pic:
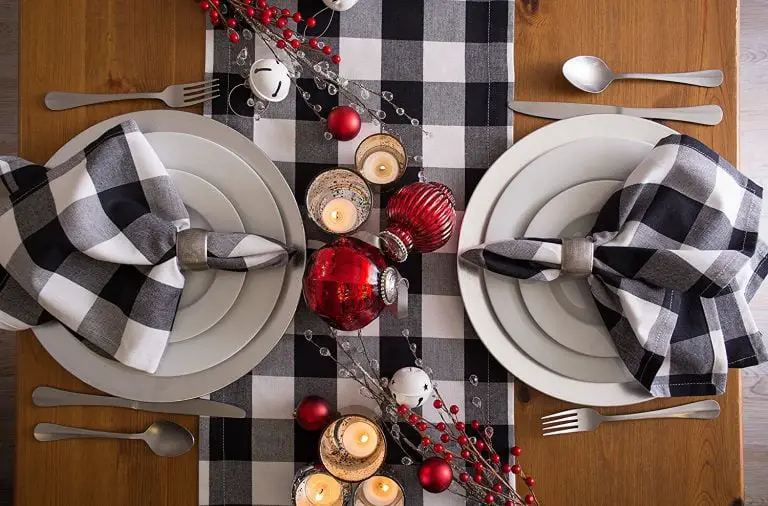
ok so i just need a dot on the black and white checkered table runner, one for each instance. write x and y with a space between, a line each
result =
448 63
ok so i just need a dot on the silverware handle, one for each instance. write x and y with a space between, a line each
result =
701 114
704 410
55 432
706 78
45 397
60 100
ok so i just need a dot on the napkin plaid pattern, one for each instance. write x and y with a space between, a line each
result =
448 63
92 243
676 259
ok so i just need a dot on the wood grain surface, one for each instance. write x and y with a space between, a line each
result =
144 53
658 462
106 46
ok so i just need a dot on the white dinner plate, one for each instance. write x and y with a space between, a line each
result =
207 295
535 185
506 351
565 308
114 378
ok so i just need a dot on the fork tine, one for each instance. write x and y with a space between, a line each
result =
569 418
197 94
189 86
562 413
204 99
566 425
566 431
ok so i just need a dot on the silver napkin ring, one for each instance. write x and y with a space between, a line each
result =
578 257
192 249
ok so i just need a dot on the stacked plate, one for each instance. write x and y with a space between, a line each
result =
227 321
553 183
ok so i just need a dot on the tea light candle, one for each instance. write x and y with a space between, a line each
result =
380 167
381 491
321 490
339 216
360 439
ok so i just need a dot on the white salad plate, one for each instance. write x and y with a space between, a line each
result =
565 308
112 377
505 342
207 295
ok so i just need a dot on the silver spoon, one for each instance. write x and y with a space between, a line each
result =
167 439
591 74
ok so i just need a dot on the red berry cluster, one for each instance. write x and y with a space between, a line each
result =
270 16
487 469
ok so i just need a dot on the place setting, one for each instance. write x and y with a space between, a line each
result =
345 264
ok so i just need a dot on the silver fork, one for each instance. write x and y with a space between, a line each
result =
586 419
177 95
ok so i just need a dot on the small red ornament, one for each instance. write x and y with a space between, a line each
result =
204 5
439 448
464 477
459 425
344 122
489 498
454 409
474 424
448 456
495 459
516 469
480 445
478 478
285 12
250 12
282 22
421 216
327 50
336 59
231 22
465 454
313 413
297 17
311 22
313 43
261 4
435 475
422 426
463 440
441 426
402 409
438 404
234 37
344 282
280 44
425 441
516 451
478 466
445 438
295 43
509 503
498 487
506 469
529 499
287 33
530 481
216 2
413 419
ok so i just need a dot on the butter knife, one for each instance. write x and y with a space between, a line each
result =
702 114
53 397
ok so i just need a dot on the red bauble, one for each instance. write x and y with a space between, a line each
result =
344 122
313 413
435 475
421 216
348 283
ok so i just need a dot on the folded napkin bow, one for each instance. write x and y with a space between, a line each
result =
93 243
672 261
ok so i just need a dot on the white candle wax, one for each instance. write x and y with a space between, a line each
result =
360 439
380 167
380 491
320 490
339 216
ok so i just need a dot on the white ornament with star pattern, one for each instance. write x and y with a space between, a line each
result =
411 386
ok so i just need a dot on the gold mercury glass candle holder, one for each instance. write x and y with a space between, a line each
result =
338 201
380 490
353 448
313 486
381 160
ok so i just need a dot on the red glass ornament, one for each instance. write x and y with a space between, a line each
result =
478 478
336 59
344 122
441 426
422 426
282 22
295 43
311 22
327 50
463 440
480 445
495 459
250 12
489 498
438 404
529 499
234 37
280 44
464 477
448 456
402 409
435 475
478 466
413 419
465 454
459 425
474 424
425 441
454 409
297 17
516 469
231 22
287 33
445 438
420 216
285 12
313 43
439 448
313 413
262 4
530 481
498 487
348 284
509 503
516 451
204 5
506 469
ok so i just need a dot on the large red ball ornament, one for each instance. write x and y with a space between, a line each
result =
435 475
348 283
313 413
344 123
420 216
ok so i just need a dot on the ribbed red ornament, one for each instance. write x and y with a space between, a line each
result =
348 283
421 216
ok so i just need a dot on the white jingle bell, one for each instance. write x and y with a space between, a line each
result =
339 5
268 80
411 386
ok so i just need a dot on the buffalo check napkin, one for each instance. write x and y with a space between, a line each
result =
672 262
99 243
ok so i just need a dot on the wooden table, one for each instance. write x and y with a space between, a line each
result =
125 45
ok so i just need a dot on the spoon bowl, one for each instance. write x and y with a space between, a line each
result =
168 439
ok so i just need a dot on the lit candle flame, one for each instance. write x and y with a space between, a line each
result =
364 438
336 215
382 168
319 495
384 487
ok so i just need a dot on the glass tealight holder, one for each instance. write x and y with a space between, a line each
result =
381 160
353 448
313 486
338 201
381 489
